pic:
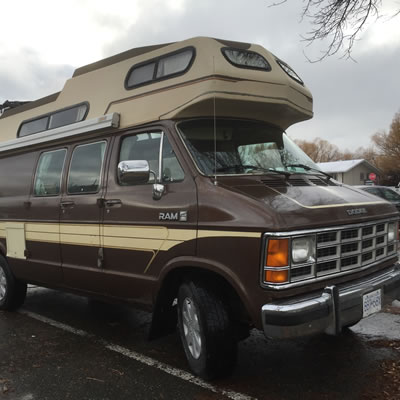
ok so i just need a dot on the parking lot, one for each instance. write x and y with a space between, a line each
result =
60 346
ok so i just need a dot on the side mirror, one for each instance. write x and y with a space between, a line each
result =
133 172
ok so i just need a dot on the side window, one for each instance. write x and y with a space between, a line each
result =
48 173
374 191
390 195
85 170
146 146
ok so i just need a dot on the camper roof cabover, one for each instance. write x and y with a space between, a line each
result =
172 81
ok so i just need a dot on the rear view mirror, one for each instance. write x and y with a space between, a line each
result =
133 172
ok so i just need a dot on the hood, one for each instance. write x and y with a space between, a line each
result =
307 201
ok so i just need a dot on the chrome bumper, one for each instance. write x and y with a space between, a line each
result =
330 310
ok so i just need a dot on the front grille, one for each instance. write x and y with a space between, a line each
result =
343 250
352 247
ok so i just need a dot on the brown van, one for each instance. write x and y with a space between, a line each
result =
163 177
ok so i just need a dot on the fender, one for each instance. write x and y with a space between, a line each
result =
211 266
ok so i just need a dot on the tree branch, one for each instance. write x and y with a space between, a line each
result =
338 21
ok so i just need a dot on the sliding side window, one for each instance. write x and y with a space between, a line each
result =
48 173
86 167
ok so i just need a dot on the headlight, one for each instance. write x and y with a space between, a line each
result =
303 249
392 231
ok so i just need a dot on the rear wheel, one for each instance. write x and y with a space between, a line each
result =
12 291
206 330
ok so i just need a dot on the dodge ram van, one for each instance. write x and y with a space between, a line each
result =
163 177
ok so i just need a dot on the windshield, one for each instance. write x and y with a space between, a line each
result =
242 147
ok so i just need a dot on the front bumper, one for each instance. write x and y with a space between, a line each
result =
330 310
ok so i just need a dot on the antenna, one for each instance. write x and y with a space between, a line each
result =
215 133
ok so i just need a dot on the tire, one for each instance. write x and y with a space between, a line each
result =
206 330
12 291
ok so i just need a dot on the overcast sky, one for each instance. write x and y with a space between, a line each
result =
43 41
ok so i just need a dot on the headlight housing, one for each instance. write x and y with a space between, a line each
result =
293 258
392 234
303 249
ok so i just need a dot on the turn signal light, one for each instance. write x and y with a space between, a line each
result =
276 276
277 253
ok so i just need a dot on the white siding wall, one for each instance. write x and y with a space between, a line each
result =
352 177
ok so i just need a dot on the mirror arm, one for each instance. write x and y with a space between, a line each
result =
158 187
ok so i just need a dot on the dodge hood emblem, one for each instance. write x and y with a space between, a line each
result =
357 211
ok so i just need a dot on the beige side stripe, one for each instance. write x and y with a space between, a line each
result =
146 238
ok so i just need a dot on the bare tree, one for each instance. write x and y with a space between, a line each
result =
320 150
389 145
338 21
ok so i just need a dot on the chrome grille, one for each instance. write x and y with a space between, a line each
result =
356 247
342 250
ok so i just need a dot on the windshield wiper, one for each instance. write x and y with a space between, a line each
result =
307 168
277 171
241 167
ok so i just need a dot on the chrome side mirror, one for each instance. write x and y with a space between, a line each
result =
136 172
133 172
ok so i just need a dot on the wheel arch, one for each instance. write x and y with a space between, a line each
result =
174 273
3 250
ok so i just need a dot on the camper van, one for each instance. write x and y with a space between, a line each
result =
162 177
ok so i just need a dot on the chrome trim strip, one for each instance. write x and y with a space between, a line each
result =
284 286
332 228
71 130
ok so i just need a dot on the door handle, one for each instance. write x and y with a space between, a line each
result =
67 204
112 202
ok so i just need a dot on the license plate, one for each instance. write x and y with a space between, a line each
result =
372 302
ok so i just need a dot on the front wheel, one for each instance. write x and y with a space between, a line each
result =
12 291
206 330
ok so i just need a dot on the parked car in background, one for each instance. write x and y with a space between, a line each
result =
383 192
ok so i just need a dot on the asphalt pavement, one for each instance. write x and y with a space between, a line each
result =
60 346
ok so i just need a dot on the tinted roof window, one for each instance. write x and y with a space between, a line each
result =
163 67
246 59
174 64
38 125
67 117
141 74
54 120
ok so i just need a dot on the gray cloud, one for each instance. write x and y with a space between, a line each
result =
25 76
352 100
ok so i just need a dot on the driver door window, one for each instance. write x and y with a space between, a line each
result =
146 146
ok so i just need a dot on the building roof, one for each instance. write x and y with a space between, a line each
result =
345 166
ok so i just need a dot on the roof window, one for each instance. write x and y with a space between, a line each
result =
164 67
289 71
54 120
245 59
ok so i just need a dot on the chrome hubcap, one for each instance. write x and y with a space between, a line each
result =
3 283
191 328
